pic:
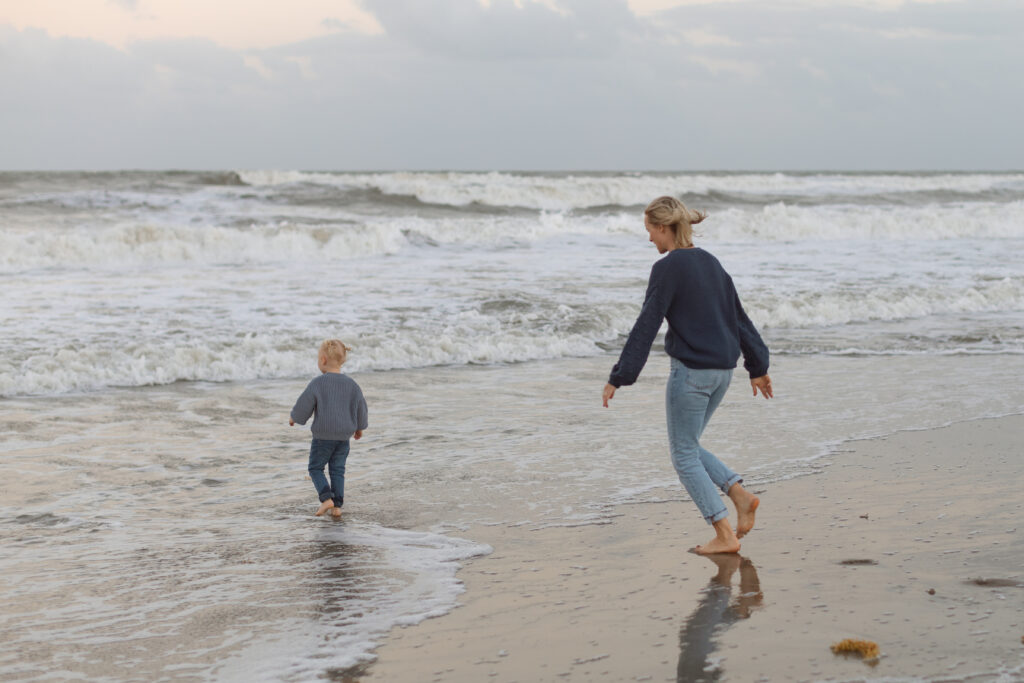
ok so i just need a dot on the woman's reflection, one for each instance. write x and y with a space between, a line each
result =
717 610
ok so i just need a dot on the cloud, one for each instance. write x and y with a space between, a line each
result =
305 64
257 65
361 22
814 70
702 37
913 33
240 24
719 66
588 85
506 29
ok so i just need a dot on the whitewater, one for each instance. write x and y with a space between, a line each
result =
135 279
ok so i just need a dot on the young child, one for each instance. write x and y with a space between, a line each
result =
340 413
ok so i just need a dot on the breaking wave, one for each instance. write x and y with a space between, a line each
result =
492 331
562 192
138 244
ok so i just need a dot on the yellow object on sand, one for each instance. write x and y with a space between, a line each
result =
865 648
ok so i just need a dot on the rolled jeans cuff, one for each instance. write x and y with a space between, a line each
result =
718 516
736 479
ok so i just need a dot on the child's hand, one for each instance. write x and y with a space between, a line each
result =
358 435
291 422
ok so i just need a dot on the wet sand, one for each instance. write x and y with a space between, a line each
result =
913 541
128 556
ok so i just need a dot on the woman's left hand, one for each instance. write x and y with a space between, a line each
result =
764 383
609 391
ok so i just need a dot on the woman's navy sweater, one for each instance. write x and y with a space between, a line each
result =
707 326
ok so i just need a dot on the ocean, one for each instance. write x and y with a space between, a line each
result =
155 517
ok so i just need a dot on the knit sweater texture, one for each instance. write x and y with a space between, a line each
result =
707 326
337 404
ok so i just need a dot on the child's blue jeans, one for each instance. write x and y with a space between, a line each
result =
333 454
690 399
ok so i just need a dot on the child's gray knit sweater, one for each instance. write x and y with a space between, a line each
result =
338 404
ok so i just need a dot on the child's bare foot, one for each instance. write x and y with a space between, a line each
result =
336 511
324 507
746 505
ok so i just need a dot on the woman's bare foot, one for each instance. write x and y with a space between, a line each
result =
336 511
716 545
746 505
324 507
725 540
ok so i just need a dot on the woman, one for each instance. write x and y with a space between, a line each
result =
707 332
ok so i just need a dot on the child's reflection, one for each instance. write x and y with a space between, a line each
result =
717 610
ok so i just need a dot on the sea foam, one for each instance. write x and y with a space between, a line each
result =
132 244
531 330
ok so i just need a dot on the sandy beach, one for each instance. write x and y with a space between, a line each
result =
912 541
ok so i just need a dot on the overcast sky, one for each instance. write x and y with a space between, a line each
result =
504 84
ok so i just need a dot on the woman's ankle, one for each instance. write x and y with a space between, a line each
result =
724 530
737 493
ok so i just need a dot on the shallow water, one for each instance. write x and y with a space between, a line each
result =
167 531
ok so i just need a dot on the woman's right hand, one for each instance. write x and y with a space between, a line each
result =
764 383
609 391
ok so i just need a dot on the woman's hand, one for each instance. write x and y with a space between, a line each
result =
609 391
764 383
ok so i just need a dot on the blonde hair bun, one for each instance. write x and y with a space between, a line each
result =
672 213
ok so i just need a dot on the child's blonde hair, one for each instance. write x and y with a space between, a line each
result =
335 351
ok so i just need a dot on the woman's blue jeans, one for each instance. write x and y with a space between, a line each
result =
333 454
690 400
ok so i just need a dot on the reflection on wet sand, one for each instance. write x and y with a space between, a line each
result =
340 578
716 611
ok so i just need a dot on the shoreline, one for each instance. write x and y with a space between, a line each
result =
901 515
482 459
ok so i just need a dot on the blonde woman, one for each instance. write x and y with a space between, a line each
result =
707 332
